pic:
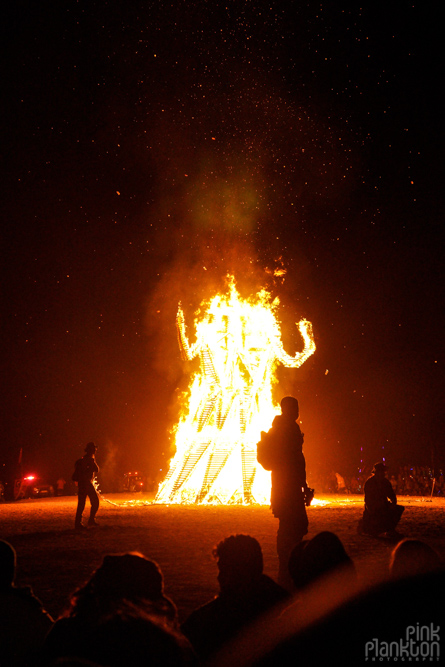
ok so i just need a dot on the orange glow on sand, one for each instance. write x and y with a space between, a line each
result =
238 342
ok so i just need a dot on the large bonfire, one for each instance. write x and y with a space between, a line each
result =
238 342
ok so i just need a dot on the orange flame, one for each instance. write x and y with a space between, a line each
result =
238 342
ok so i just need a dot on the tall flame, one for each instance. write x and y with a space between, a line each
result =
238 342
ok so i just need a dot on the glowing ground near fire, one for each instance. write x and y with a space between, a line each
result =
238 343
54 559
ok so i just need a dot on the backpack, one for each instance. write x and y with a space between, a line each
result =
266 450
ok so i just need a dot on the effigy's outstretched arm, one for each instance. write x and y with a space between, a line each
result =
305 328
188 352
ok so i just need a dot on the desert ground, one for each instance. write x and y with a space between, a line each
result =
54 559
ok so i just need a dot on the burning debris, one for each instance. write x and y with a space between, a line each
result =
238 342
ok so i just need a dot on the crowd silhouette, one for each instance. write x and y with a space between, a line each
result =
122 617
406 480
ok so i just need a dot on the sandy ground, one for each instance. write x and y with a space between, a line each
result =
54 559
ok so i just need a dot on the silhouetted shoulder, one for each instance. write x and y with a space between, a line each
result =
62 639
24 624
207 627
270 592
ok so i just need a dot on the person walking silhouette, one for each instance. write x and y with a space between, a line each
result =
85 471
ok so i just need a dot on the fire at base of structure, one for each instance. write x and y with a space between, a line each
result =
238 342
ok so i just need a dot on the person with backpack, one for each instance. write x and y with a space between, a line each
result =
281 451
84 473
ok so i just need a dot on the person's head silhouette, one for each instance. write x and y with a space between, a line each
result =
91 448
240 562
411 557
317 557
380 469
129 577
290 408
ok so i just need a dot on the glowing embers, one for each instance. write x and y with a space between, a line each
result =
238 342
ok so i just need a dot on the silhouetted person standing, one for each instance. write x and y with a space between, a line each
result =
85 470
281 451
381 514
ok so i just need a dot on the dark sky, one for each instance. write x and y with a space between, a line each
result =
152 148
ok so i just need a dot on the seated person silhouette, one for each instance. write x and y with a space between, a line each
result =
134 636
319 557
245 593
381 514
319 567
125 587
23 621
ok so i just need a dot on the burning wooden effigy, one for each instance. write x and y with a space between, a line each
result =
238 343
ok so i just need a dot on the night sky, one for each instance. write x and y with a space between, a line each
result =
151 149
